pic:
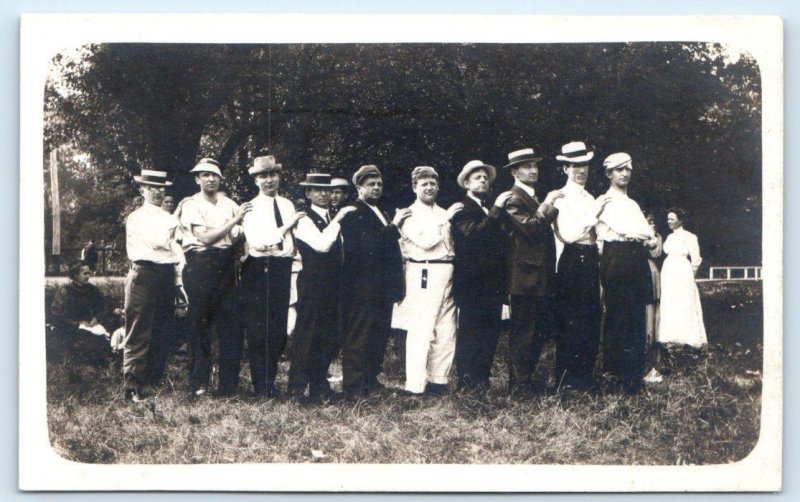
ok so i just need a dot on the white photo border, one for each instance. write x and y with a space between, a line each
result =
43 36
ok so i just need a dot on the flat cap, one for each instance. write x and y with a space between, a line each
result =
365 172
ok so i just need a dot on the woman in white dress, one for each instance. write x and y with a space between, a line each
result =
681 317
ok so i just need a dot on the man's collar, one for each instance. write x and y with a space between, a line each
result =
475 198
573 187
319 210
617 193
525 188
151 207
419 204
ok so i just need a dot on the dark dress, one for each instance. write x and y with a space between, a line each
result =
75 303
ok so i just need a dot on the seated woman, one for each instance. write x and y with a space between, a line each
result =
77 309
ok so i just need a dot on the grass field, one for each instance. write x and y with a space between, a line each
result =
706 411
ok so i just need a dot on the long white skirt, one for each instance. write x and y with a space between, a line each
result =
681 316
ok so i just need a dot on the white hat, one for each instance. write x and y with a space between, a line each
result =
264 164
524 156
207 165
616 160
474 165
152 178
575 152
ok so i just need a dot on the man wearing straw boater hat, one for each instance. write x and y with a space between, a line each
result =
479 275
153 287
316 336
531 269
266 275
578 277
427 245
338 194
212 227
372 283
624 273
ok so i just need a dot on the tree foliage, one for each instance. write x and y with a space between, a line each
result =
689 114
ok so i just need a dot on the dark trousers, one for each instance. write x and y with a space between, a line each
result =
367 324
149 323
315 342
476 340
624 274
579 314
209 278
530 319
265 299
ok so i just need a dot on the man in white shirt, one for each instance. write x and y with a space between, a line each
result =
266 275
427 246
316 337
153 287
579 308
212 226
624 273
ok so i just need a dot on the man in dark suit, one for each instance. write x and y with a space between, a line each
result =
372 282
316 335
531 268
479 276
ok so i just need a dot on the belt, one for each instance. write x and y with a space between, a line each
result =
432 262
281 258
580 246
206 251
148 263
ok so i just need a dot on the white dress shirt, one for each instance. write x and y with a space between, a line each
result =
150 235
425 235
199 212
319 241
576 215
263 235
622 220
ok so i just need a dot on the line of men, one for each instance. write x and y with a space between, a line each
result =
452 270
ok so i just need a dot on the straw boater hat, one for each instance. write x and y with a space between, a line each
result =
207 165
474 165
524 156
339 182
264 164
365 172
152 178
575 152
616 160
321 180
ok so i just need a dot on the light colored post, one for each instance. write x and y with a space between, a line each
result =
56 207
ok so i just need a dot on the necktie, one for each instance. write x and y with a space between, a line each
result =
327 217
278 220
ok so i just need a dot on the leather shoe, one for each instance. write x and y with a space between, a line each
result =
135 394
436 389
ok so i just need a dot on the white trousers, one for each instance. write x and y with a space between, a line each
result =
429 315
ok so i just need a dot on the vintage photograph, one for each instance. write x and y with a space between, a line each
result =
436 256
